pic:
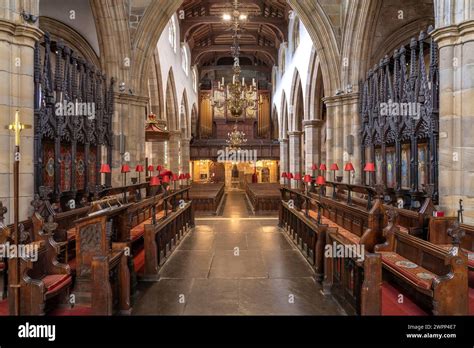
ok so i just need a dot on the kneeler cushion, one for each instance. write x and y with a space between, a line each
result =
54 282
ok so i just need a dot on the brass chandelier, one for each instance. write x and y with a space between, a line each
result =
236 139
237 96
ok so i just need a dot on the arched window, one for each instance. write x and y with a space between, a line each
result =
184 60
172 33
296 34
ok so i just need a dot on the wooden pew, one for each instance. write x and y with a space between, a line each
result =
434 277
439 234
207 197
264 197
161 236
102 275
45 279
412 221
306 233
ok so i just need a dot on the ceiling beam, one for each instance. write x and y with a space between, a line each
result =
253 33
259 68
278 25
197 52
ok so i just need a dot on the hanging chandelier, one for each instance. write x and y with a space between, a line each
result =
237 96
236 139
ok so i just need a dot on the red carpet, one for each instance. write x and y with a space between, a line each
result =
4 308
77 311
139 261
390 305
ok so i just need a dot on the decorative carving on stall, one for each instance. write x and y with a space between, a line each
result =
73 120
400 120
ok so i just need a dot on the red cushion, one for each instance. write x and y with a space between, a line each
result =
2 266
413 274
139 260
391 306
55 282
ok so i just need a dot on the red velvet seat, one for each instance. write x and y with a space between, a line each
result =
420 276
392 306
56 282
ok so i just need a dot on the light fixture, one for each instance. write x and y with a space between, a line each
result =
236 139
226 17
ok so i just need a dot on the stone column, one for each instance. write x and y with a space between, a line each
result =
17 40
342 121
129 120
295 155
284 162
312 129
455 37
173 151
185 156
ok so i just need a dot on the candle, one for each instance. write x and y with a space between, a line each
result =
253 82
233 79
243 81
223 81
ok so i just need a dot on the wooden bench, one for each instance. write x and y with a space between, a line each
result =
45 279
264 198
161 236
207 197
306 233
434 277
102 275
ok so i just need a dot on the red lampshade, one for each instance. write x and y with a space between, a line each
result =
159 168
307 179
349 167
321 180
298 177
105 169
125 168
323 167
155 181
314 167
151 168
139 168
290 176
175 177
182 176
166 179
369 167
334 167
187 176
284 175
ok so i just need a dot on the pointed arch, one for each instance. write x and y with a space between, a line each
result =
314 105
184 115
156 87
194 122
275 127
171 103
284 125
297 107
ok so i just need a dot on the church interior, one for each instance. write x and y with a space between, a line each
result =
236 157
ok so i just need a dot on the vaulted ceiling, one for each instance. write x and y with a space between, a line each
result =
210 37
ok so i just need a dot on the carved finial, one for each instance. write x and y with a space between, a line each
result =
50 226
3 211
379 189
392 215
44 192
456 233
37 204
23 234
429 190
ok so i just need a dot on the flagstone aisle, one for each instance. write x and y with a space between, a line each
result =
235 264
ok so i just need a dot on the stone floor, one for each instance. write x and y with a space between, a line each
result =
235 264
